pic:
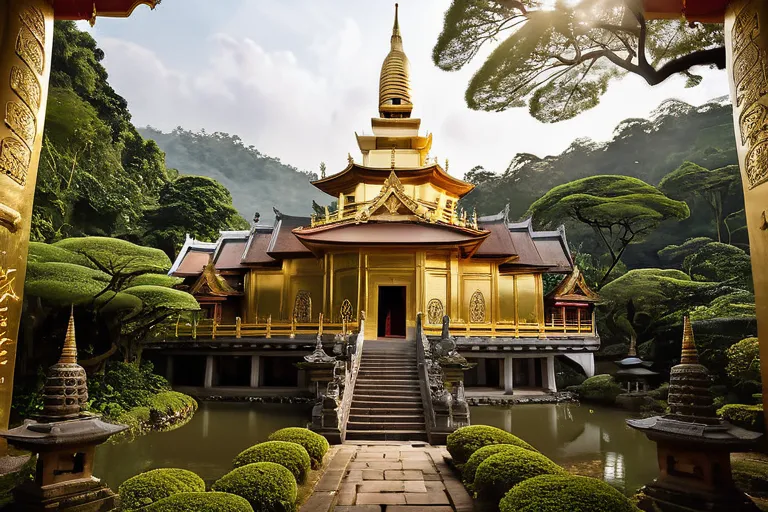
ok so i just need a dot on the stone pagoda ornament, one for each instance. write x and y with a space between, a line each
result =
693 444
65 438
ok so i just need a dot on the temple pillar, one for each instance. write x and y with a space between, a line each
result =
746 33
26 39
549 367
509 381
255 371
208 380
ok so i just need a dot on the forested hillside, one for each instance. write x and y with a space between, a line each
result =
256 181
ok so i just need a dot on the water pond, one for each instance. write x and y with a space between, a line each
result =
585 439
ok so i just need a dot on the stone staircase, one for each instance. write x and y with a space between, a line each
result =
386 402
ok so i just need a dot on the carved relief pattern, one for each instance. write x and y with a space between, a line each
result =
7 295
21 120
302 307
435 311
477 308
26 86
347 312
14 160
750 75
30 50
35 21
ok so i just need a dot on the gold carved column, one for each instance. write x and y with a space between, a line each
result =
746 32
26 39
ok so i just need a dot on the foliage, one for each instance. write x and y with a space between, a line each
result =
691 181
554 493
620 209
660 393
115 256
291 456
465 441
719 262
745 416
124 386
500 472
201 502
47 253
254 179
470 468
315 444
478 175
751 476
163 280
732 304
675 255
267 486
600 388
744 362
152 486
194 205
560 61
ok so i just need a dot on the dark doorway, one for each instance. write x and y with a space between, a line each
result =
391 312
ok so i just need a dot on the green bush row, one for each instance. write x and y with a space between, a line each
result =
315 444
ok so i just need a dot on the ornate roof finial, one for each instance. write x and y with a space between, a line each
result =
446 165
350 160
394 82
689 355
396 40
69 350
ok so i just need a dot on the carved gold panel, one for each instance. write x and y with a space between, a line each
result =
25 85
435 311
302 307
29 49
477 308
21 121
14 159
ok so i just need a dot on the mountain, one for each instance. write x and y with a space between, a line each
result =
256 181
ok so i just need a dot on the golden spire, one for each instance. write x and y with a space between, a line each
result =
69 351
394 83
690 355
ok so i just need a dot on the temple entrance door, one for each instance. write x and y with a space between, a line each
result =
391 317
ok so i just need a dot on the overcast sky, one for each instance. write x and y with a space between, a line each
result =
297 78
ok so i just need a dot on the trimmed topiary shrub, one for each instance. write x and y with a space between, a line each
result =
470 468
315 444
291 456
151 486
463 442
267 486
201 502
744 416
556 493
751 476
600 388
499 473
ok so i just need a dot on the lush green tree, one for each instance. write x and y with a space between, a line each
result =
744 363
478 175
674 255
690 181
720 262
560 61
194 205
619 209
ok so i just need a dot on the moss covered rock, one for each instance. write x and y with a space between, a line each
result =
147 488
291 456
751 476
745 416
500 472
556 493
315 444
465 441
267 486
201 502
470 468
600 389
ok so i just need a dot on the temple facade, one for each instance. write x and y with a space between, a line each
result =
397 243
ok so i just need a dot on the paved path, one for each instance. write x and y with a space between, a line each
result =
389 477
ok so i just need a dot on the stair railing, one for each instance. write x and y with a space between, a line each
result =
355 354
424 360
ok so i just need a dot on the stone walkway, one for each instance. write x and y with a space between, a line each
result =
389 477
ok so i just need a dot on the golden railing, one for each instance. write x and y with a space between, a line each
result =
461 329
211 329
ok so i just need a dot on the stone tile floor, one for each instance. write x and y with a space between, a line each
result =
389 477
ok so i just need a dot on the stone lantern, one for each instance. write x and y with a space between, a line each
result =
65 438
694 445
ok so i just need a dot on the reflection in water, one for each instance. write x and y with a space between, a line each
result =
206 445
585 439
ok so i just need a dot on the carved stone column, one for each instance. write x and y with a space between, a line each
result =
26 39
746 32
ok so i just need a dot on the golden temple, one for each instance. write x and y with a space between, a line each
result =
397 244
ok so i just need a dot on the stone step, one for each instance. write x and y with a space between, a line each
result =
395 410
386 418
387 360
387 381
403 425
386 435
363 400
385 354
373 389
396 376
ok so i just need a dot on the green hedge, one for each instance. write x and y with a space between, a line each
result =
465 441
291 456
267 486
745 416
470 468
499 473
147 488
558 493
315 444
600 388
201 502
751 476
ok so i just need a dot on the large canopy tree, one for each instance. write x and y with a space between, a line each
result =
690 181
621 210
558 57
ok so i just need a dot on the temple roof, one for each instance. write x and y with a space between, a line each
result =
229 250
574 289
355 173
90 9
211 283
283 243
